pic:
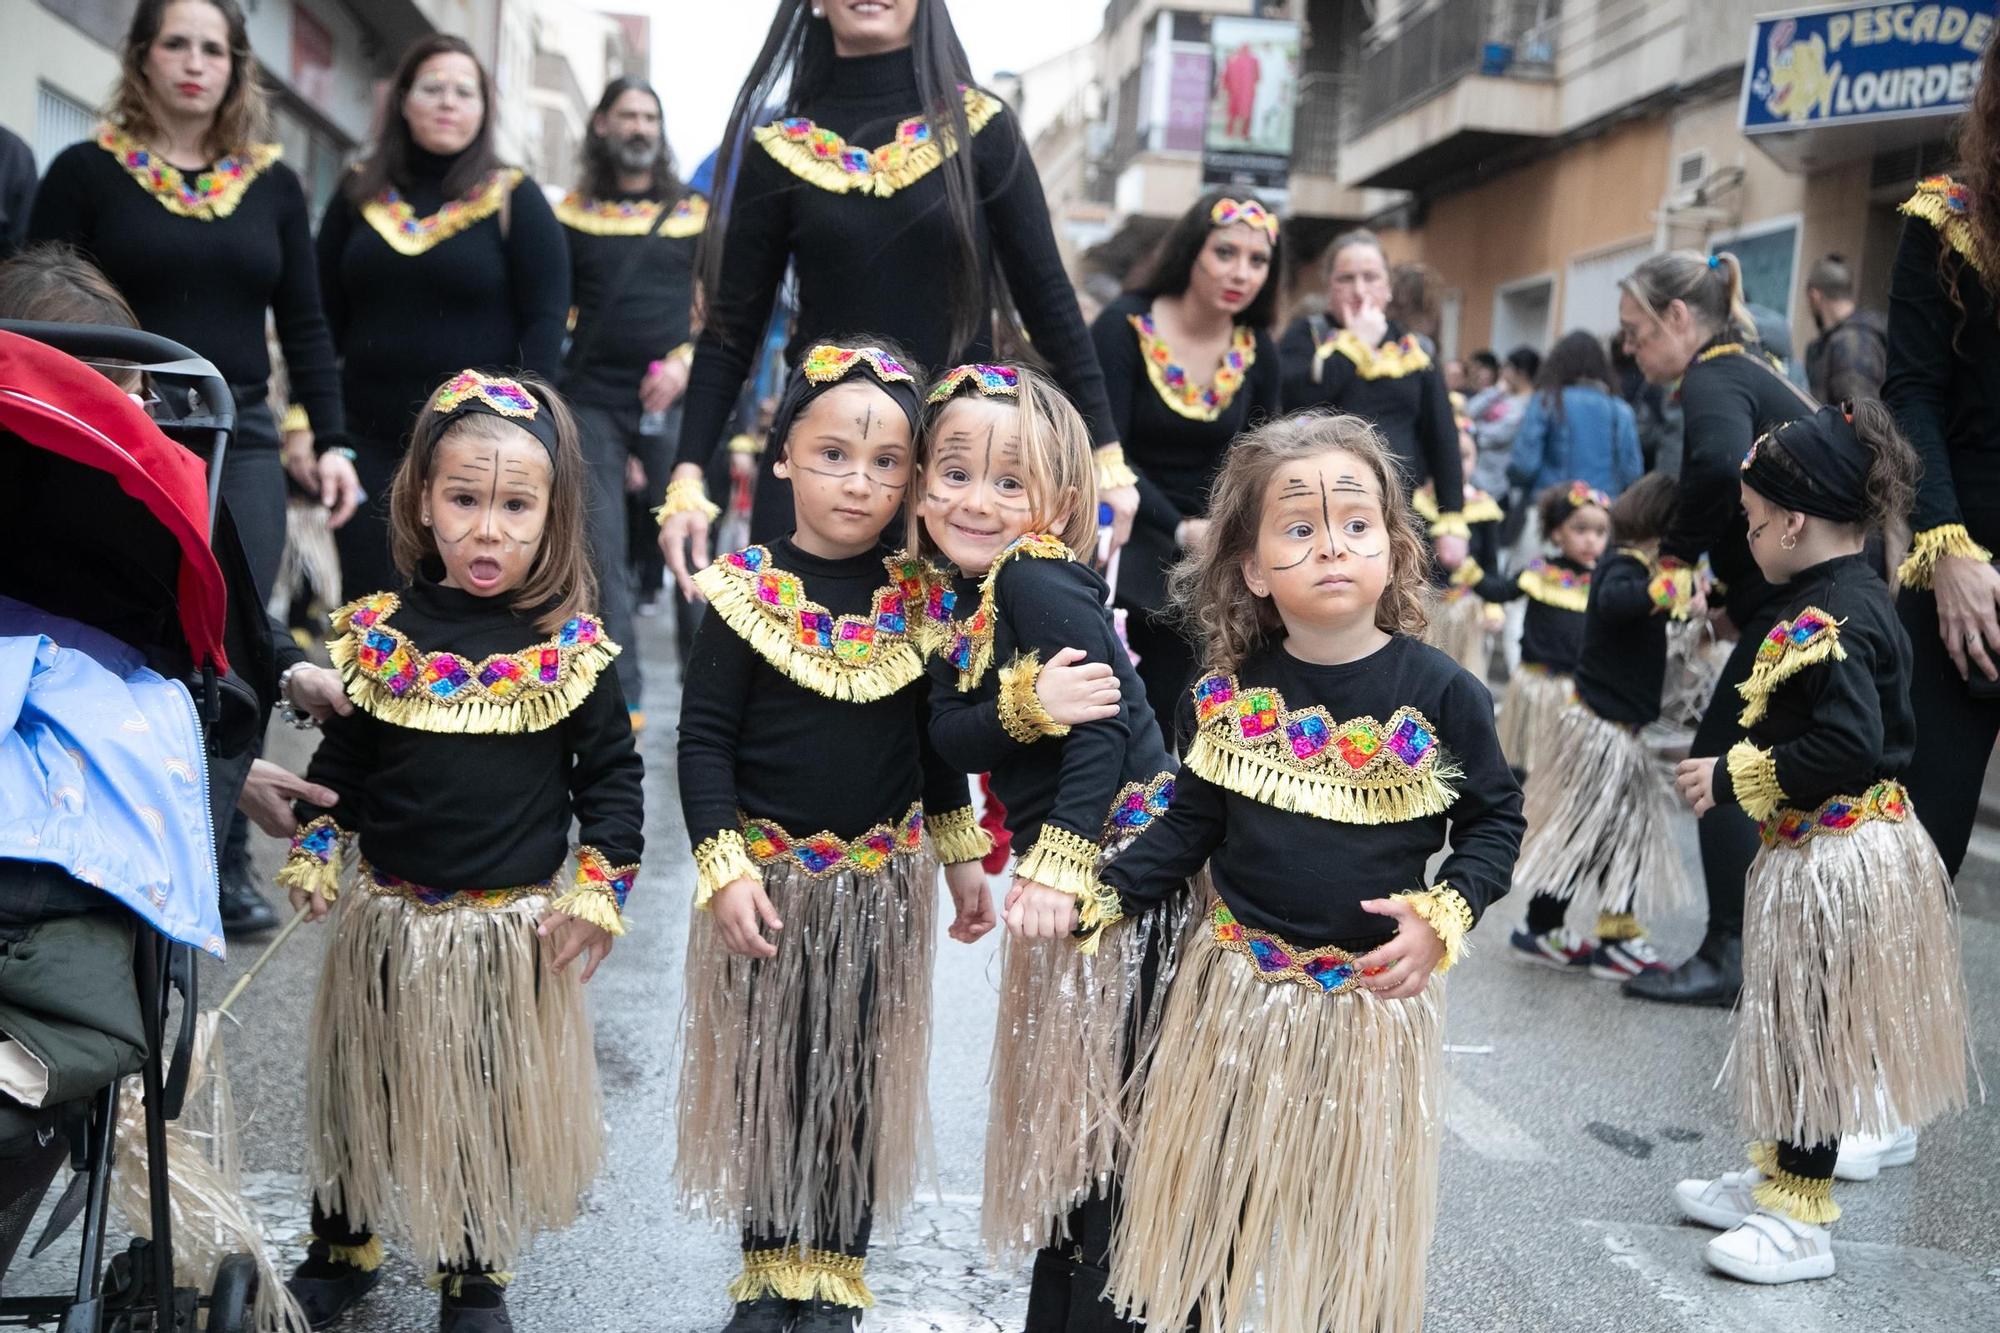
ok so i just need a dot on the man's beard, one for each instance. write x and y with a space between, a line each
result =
635 154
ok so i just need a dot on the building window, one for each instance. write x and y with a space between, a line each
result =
60 121
1769 255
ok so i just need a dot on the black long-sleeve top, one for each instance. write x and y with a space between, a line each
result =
204 280
754 741
1176 447
1402 392
1729 396
1558 590
1041 606
1944 367
1622 668
478 810
475 297
1303 874
864 263
1830 723
649 314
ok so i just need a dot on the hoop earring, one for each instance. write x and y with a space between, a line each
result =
1788 541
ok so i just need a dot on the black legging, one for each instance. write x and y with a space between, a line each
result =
1166 667
1728 837
1955 733
253 488
365 566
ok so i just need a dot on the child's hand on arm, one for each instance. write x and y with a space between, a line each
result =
1695 780
314 905
967 882
1401 968
573 938
741 909
1073 691
1038 912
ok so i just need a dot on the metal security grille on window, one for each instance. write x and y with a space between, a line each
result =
60 121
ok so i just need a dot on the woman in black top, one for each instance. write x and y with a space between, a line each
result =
1354 359
1944 387
432 257
1188 367
1683 317
858 186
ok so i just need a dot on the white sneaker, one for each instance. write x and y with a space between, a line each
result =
1720 1203
1770 1248
1862 1156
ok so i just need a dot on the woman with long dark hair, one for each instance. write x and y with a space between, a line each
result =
1188 366
861 154
1575 428
1682 315
1355 358
433 257
179 202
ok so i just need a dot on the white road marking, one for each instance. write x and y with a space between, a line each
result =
1482 1127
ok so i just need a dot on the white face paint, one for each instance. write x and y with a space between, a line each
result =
1322 545
486 503
848 459
976 494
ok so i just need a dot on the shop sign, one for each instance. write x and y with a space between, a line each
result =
1854 64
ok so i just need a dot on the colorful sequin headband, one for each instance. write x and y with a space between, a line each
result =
494 395
990 381
1582 493
829 363
1249 212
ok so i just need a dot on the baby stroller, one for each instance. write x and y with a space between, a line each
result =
109 523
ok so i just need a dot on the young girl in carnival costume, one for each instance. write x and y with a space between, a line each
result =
1853 1018
1600 803
818 813
1284 1174
1008 499
1462 624
1576 520
452 1093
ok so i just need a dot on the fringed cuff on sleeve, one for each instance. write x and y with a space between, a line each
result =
1095 915
1931 546
957 836
1753 773
294 419
314 864
598 896
1445 911
721 860
683 354
1021 711
1467 574
1061 860
1113 471
1672 587
687 496
746 443
1450 525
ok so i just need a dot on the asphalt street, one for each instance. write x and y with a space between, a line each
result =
1571 1112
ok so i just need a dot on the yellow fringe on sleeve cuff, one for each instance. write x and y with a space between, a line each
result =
1445 911
1095 915
318 851
1753 773
1931 546
1672 588
746 444
598 896
1021 713
1061 860
1113 471
1467 574
957 836
687 496
294 419
683 354
1451 525
721 860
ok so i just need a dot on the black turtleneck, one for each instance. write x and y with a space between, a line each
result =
493 296
205 283
453 811
870 265
647 316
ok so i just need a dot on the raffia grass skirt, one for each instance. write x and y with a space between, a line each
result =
1070 1053
451 1086
1601 808
1457 627
1531 708
1286 1170
803 1095
1853 1016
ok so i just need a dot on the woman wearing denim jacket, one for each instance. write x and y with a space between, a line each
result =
1574 426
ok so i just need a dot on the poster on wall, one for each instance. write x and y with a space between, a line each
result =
1252 96
1856 64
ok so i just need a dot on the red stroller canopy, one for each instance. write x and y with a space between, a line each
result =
58 403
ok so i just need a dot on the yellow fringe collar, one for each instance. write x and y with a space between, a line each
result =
633 217
1946 205
1177 389
1806 640
397 223
1390 361
822 158
1552 585
968 644
1478 506
803 1275
855 659
1359 771
390 678
210 196
1932 545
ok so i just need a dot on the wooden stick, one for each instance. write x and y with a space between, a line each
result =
243 982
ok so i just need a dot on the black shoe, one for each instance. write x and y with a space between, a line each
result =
826 1317
1713 977
244 910
766 1314
473 1303
326 1290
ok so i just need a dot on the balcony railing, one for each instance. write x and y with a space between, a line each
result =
1450 40
1316 129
